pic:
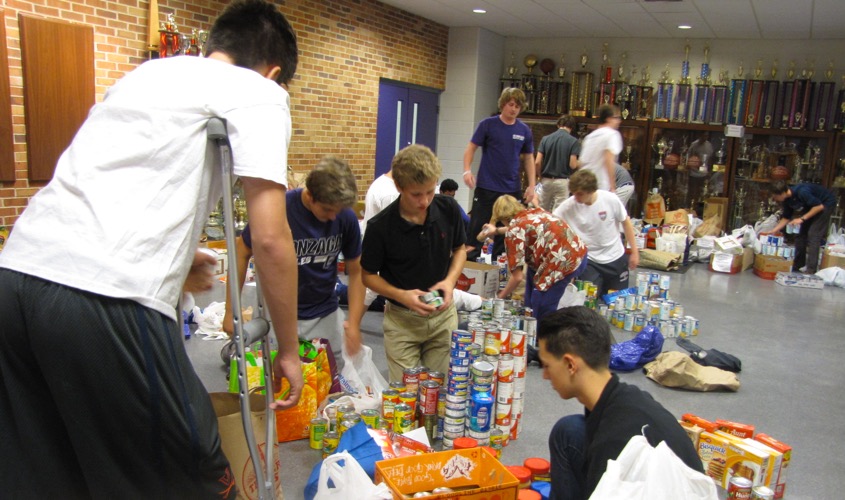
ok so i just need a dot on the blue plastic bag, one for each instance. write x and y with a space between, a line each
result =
638 351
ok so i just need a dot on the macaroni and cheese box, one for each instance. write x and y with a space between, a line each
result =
784 448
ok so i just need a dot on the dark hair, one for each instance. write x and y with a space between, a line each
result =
607 111
583 181
448 185
566 121
255 33
579 331
779 187
332 182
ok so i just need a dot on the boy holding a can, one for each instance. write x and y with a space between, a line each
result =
413 248
575 354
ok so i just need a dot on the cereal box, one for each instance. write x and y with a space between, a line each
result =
787 458
746 461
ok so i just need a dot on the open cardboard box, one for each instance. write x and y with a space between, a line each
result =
472 474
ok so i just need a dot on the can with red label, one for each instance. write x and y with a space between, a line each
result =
429 392
762 493
411 378
389 399
740 488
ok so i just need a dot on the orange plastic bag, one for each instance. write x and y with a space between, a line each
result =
295 423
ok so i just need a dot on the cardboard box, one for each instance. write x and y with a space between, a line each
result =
480 279
767 266
721 262
473 473
725 456
784 448
728 244
775 461
832 258
799 280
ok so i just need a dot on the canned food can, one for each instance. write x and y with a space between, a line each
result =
518 342
399 386
642 288
498 307
740 488
343 410
480 412
492 342
389 398
629 322
603 310
630 302
409 398
349 421
665 281
370 418
654 278
665 310
504 393
482 369
639 322
429 392
330 441
411 378
505 371
653 291
530 326
402 418
504 340
497 440
762 493
331 415
679 310
319 427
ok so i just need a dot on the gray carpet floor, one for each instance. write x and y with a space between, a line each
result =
791 343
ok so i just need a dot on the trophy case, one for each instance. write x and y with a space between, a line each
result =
763 156
836 179
686 163
633 156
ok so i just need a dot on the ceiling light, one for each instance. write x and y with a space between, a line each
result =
684 27
479 11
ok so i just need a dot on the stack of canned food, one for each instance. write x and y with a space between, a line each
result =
648 304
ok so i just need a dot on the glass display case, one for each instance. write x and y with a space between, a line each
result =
764 156
632 158
836 179
686 164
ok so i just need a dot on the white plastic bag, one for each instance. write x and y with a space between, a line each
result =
360 375
643 472
832 276
210 319
766 225
836 236
349 481
572 297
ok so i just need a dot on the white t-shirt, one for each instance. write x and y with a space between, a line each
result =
382 193
130 196
597 225
592 153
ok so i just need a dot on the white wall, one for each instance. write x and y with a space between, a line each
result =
472 91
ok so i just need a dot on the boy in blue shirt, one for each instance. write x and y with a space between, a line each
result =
810 206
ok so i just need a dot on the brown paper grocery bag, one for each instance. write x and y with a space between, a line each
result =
227 407
676 369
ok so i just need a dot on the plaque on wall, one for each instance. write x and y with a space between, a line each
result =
785 104
581 93
768 104
736 108
822 106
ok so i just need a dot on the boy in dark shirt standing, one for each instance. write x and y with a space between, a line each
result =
575 353
810 207
413 247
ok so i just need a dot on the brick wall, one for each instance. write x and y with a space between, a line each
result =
345 47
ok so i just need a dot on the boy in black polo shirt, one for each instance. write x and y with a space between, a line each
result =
412 247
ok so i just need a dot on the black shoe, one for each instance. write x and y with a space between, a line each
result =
228 352
532 355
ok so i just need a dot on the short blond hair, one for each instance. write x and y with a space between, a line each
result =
505 209
512 93
415 164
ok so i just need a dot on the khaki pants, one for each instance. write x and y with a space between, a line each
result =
412 340
555 191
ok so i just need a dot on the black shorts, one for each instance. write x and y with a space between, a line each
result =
98 399
610 276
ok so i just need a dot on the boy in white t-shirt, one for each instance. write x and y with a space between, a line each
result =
600 149
595 215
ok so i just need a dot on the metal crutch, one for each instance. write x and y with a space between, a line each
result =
246 334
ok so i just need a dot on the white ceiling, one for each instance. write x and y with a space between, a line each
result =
710 19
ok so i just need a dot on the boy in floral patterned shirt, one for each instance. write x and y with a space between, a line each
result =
553 252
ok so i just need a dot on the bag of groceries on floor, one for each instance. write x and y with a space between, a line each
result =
317 373
655 209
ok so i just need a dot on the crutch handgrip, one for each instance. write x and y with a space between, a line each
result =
216 130
255 330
